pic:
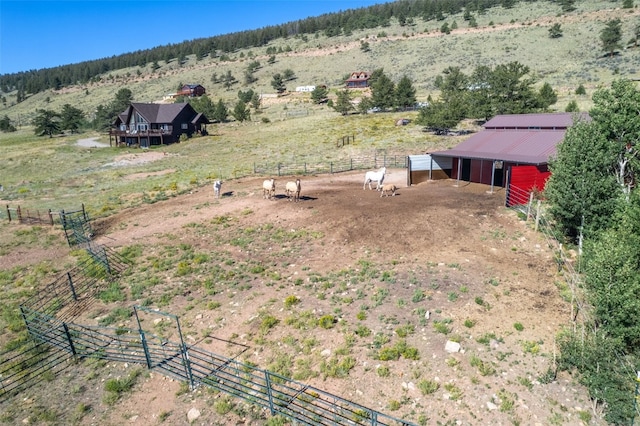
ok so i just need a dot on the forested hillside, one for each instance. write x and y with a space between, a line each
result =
561 43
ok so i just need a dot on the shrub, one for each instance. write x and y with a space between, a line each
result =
383 371
291 301
268 322
388 354
427 387
326 321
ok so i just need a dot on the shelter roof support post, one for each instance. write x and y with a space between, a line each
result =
430 167
459 171
493 174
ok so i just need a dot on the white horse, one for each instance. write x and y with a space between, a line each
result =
293 190
372 176
269 188
217 187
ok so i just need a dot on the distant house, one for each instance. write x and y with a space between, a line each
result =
191 90
144 125
512 151
358 80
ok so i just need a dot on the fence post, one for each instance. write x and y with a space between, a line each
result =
331 167
268 383
84 213
50 217
537 216
374 417
73 290
66 332
529 206
351 166
19 214
8 213
278 169
305 168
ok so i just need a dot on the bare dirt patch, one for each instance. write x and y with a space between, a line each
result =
480 269
484 266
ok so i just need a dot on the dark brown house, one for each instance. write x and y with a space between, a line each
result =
191 90
358 80
156 124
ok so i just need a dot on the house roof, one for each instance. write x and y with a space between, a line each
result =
518 138
159 113
200 117
359 76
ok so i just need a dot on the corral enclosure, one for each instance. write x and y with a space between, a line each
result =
328 289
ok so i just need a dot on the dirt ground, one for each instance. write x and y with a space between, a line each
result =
478 262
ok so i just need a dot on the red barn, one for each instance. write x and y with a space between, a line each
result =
512 151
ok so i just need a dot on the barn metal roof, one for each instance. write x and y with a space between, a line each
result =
518 146
518 138
558 121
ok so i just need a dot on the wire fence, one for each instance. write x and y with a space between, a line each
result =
336 166
527 204
55 341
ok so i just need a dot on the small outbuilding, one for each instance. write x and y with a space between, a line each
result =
512 152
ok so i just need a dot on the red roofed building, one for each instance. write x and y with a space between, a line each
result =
512 150
358 80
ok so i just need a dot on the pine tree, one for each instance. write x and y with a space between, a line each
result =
611 35
343 104
405 93
277 83
46 122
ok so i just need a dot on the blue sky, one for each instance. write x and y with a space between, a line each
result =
45 34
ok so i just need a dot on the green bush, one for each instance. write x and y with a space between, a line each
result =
389 353
268 322
326 321
383 371
427 387
291 301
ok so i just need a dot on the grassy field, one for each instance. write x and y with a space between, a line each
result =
56 173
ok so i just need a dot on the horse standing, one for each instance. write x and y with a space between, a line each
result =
217 187
377 177
269 188
293 190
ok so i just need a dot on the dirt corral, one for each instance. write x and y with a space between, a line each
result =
432 264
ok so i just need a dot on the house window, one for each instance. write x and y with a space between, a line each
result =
142 127
184 126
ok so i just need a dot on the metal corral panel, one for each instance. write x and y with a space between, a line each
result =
419 162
